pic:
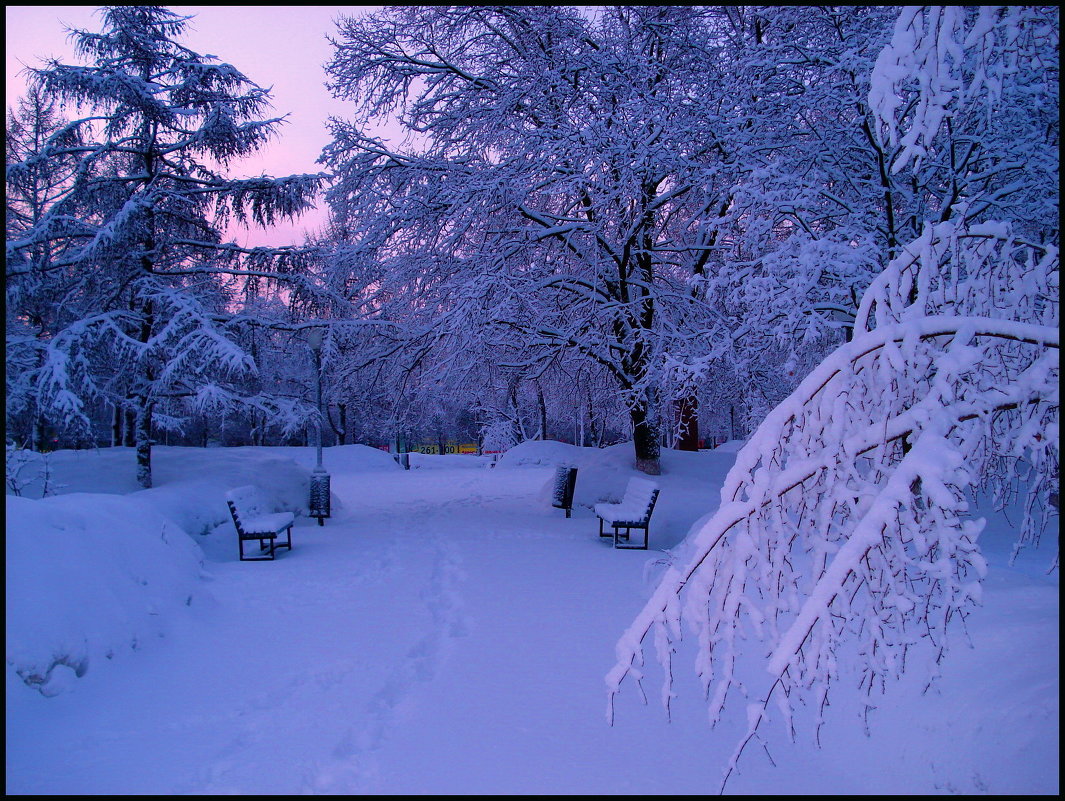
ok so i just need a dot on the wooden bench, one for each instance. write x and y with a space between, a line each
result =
634 512
562 493
254 521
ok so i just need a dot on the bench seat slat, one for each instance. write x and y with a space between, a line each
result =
272 523
622 513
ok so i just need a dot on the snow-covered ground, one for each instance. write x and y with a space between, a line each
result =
447 631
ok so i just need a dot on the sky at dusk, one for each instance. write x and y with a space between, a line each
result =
283 47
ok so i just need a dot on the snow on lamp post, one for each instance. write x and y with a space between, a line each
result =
319 504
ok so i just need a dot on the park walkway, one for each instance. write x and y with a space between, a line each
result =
448 633
424 639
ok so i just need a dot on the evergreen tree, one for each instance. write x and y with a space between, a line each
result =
31 308
137 234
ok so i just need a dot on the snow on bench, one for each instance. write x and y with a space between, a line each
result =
254 521
634 511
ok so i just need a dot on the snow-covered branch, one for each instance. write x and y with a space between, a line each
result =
844 524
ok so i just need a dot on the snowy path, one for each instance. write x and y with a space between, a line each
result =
340 645
447 633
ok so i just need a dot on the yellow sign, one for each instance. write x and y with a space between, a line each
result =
451 446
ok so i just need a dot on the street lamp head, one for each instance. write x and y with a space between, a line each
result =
314 338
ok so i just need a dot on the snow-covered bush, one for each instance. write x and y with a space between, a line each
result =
17 462
602 473
499 434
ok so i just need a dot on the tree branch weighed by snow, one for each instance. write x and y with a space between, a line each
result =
844 524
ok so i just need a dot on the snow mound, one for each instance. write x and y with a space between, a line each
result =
447 461
602 473
89 575
732 446
335 459
199 505
280 471
190 483
545 452
102 565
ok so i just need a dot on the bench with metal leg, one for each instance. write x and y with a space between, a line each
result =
633 512
253 521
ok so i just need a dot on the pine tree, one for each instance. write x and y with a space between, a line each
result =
138 234
32 314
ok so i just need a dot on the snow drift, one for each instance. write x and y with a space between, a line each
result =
87 576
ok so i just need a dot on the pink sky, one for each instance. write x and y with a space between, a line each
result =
282 47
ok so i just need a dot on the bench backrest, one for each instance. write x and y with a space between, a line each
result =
565 482
640 494
246 502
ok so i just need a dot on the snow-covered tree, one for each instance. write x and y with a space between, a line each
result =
32 126
811 220
31 309
561 181
844 532
137 234
969 97
827 195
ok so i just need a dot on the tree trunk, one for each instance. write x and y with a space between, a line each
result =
542 405
116 427
144 444
645 436
128 435
594 431
38 436
253 429
687 416
340 428
519 424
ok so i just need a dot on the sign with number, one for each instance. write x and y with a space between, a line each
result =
451 446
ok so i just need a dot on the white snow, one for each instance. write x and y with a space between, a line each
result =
446 631
89 575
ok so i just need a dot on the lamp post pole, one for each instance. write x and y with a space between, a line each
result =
319 505
318 381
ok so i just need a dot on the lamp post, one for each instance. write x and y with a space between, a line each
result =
319 505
